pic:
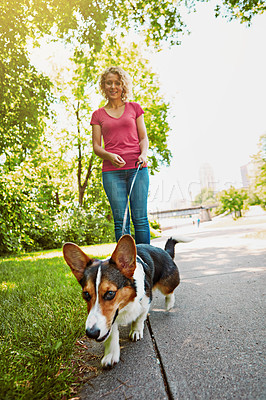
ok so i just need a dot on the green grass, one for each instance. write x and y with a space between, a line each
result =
41 316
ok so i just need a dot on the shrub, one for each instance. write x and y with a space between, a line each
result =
27 227
233 201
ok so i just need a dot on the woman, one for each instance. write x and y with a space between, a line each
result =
121 125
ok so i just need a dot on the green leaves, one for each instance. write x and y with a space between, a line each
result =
206 196
25 96
243 10
24 93
233 200
157 21
258 184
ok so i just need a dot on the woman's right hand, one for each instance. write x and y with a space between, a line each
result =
117 160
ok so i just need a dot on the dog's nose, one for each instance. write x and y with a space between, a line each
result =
93 332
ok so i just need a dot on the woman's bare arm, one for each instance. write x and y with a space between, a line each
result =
115 159
143 139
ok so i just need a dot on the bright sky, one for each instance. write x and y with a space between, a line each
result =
216 84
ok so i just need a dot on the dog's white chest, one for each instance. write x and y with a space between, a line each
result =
131 311
140 303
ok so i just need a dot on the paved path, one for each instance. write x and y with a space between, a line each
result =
210 346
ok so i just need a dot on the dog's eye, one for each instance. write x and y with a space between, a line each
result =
109 295
86 296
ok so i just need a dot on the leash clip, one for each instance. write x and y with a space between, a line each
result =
138 164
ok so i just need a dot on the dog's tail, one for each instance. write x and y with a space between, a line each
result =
170 244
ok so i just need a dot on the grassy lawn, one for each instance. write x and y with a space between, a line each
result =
41 317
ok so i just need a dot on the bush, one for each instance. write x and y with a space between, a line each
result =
233 201
82 228
155 225
15 218
27 227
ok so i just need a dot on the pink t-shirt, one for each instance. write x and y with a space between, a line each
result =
120 135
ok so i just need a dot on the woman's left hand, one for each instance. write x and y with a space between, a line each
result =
142 158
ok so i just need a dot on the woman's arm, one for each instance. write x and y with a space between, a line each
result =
115 159
143 139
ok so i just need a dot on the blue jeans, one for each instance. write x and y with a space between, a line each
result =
117 187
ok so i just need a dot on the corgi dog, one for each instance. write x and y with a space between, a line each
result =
118 290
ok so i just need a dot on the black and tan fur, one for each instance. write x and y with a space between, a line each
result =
119 290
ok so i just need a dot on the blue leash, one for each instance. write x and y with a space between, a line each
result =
127 206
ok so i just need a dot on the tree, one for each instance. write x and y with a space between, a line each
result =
206 197
232 201
29 198
243 10
24 93
258 187
74 95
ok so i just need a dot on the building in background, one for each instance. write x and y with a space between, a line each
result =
207 177
247 174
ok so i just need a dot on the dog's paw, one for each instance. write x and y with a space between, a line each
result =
110 360
169 301
136 334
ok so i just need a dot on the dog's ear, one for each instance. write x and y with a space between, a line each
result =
125 255
76 259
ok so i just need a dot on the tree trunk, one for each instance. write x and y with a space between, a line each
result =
57 201
82 186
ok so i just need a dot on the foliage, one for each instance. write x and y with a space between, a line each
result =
243 10
38 211
85 20
258 186
41 317
83 227
155 225
206 197
26 212
14 215
74 132
24 102
233 201
24 92
30 201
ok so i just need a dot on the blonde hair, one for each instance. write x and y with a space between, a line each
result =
123 77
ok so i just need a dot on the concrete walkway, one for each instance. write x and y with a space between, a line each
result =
210 346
